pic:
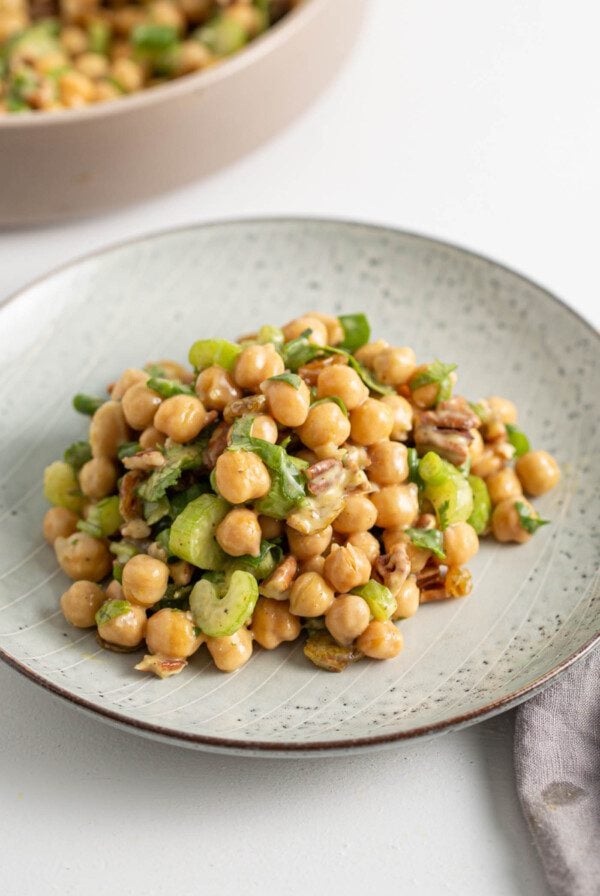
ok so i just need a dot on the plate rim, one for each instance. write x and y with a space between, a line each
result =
289 748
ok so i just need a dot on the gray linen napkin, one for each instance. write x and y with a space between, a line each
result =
557 759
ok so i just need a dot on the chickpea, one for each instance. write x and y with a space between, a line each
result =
81 602
152 438
173 370
313 564
114 591
272 623
303 547
427 395
506 524
264 427
394 366
487 463
215 388
389 463
145 579
163 12
75 89
310 595
367 543
130 377
127 629
105 90
73 40
397 505
270 527
232 651
172 633
288 405
239 533
371 422
59 523
241 476
503 484
342 382
366 354
181 417
81 556
326 424
347 618
538 472
108 430
476 446
180 571
93 65
140 405
346 568
98 478
128 74
359 515
380 640
403 416
460 543
192 57
335 331
503 408
407 599
255 364
296 327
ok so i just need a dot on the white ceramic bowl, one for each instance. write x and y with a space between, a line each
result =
534 608
74 162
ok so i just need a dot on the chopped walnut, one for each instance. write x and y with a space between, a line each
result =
145 460
136 528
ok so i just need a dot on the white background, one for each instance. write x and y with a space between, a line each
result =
475 122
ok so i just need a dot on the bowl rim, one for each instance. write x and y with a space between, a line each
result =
277 35
291 748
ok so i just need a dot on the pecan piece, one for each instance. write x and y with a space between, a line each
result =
216 445
145 460
394 568
278 584
446 430
324 652
251 404
324 475
130 505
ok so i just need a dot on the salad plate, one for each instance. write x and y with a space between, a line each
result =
535 608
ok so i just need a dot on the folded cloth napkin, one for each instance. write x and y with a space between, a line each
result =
557 759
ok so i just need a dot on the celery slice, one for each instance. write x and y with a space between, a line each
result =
192 536
219 614
206 352
380 599
61 487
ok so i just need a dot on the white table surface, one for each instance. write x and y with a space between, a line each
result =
475 122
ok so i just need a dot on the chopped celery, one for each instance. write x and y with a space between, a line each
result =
78 454
222 35
98 37
482 505
180 500
206 352
168 388
151 38
61 487
163 538
446 488
517 439
103 519
221 609
192 535
380 599
123 551
268 333
357 331
430 539
118 572
87 404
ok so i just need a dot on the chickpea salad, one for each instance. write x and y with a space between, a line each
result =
302 481
64 54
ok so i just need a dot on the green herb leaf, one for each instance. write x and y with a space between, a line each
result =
168 388
156 510
436 372
357 331
368 379
531 522
517 439
292 379
335 400
87 404
128 449
110 610
287 480
180 500
299 351
176 597
163 538
413 468
178 459
263 565
78 454
431 539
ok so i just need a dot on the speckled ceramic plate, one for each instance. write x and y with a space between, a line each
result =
534 609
